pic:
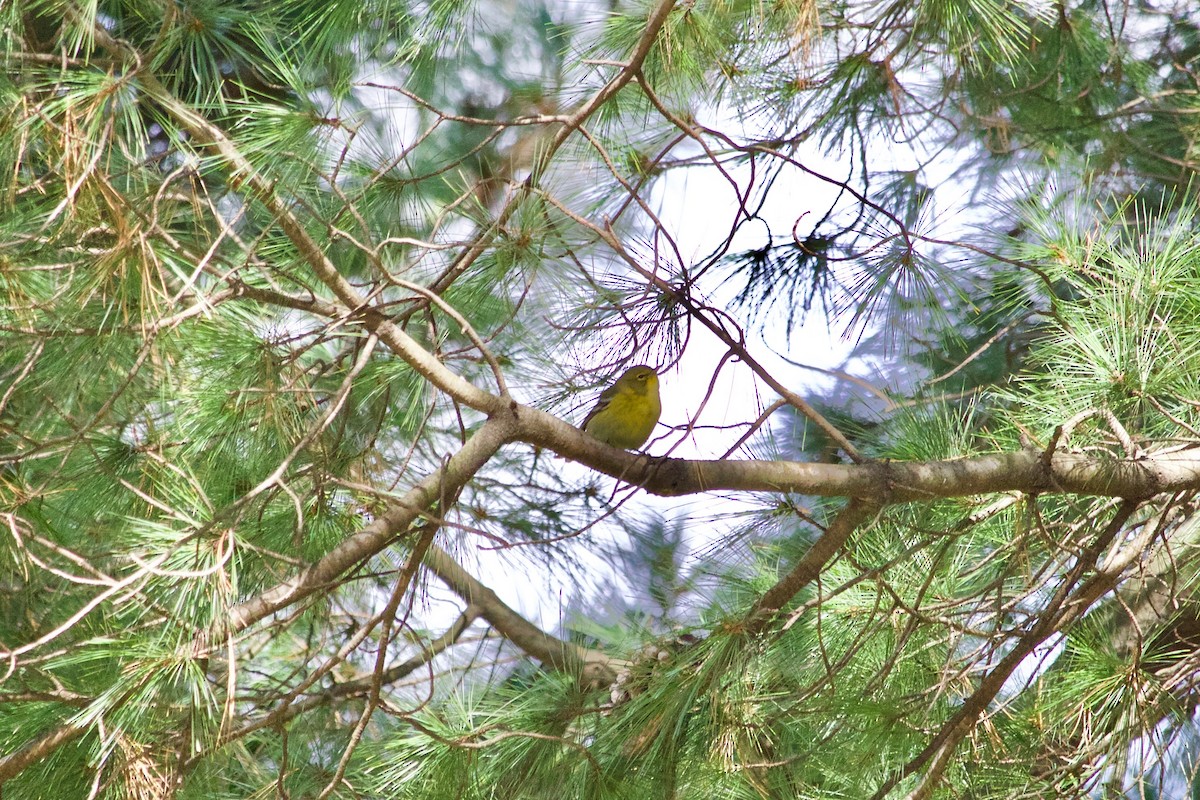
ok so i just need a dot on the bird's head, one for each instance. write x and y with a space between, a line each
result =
640 379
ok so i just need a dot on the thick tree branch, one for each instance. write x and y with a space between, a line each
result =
1028 470
812 562
381 531
398 517
12 764
592 666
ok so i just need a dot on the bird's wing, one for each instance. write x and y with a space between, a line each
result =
605 398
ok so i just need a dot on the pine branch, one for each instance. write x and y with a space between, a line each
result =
592 666
1030 470
215 139
626 73
12 764
809 567
381 532
1067 605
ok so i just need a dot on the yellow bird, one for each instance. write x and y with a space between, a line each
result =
627 411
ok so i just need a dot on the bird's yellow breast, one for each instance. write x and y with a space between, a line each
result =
628 420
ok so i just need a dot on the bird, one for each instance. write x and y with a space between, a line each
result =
627 411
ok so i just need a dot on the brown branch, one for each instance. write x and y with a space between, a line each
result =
592 666
287 711
641 49
810 565
13 763
1028 470
381 531
1066 605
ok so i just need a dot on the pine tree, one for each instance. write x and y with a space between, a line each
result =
302 299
